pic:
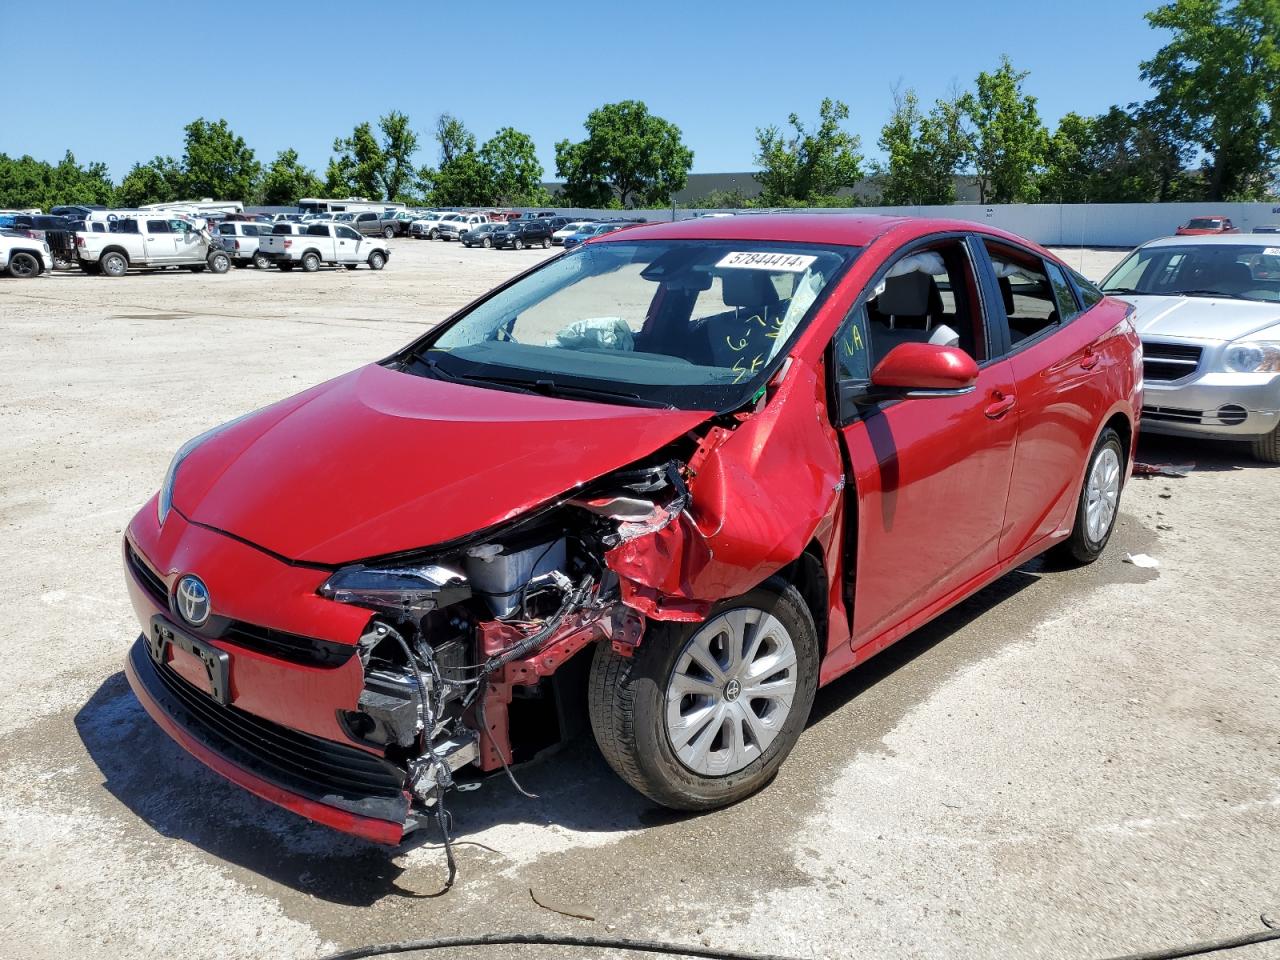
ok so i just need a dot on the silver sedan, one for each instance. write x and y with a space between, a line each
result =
1208 311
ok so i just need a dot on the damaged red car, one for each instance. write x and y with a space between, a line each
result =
679 478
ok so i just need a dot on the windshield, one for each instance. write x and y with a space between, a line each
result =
1202 224
693 324
1244 272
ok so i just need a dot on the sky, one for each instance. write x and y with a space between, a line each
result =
287 74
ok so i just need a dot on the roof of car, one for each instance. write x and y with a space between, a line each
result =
1226 239
856 230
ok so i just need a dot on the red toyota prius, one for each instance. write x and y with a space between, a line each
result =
671 482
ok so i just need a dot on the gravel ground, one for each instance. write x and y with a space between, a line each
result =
1069 765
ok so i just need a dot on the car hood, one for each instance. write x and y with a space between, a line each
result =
378 462
1200 318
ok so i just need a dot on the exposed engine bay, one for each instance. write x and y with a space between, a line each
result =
459 633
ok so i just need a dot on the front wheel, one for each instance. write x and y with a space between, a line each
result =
486 243
433 234
219 262
23 266
703 714
1267 447
1099 503
377 261
517 244
545 243
260 262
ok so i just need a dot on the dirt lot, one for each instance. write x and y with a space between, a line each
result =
1069 765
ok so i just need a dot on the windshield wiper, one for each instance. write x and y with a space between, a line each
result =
1205 292
552 389
440 373
1110 290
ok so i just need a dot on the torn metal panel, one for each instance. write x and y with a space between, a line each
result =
758 495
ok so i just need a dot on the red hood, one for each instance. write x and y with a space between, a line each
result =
378 461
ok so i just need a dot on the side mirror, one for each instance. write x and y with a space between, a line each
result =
912 370
925 369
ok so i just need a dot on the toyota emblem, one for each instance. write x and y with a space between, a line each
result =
193 600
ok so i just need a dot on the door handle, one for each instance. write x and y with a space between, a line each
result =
1001 405
1090 361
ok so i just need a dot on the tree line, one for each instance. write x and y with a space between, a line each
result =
1210 131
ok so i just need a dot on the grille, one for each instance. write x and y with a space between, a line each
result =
149 579
310 766
1166 362
288 646
1172 415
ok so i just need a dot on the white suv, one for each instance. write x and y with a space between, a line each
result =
22 257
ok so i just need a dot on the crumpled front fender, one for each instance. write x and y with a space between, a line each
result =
759 494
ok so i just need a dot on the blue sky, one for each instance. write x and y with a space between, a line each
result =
135 72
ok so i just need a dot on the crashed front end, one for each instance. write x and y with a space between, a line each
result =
353 695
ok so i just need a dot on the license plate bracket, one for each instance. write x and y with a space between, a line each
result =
217 663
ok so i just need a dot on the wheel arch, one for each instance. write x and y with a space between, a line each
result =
115 249
808 574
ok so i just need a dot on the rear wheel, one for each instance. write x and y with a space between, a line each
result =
377 261
310 262
24 266
1099 503
219 262
703 714
1267 447
388 233
114 264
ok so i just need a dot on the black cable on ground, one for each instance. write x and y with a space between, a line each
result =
712 953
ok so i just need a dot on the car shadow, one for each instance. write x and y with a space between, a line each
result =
1212 456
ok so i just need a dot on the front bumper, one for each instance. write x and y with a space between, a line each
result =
1229 406
336 785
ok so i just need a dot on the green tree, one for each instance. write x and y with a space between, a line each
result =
1218 79
157 181
286 181
399 144
629 155
515 172
26 182
1071 161
453 137
462 179
925 152
217 163
1008 139
356 170
808 166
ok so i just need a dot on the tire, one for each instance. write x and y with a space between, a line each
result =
486 243
546 243
1088 539
388 233
114 264
310 262
260 262
517 244
219 262
23 266
434 234
377 261
631 713
1267 447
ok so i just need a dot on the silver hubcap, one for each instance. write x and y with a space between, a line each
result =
731 691
1102 494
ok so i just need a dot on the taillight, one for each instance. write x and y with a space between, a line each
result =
237 244
288 244
79 241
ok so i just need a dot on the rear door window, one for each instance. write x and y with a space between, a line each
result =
158 226
317 230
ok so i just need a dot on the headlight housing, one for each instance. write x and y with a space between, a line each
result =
407 591
164 502
1252 356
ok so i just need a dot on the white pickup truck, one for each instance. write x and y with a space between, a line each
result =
455 225
149 240
320 242
241 238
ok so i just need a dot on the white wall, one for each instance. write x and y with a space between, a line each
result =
1052 224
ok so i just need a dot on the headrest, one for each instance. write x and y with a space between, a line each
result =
748 288
905 296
